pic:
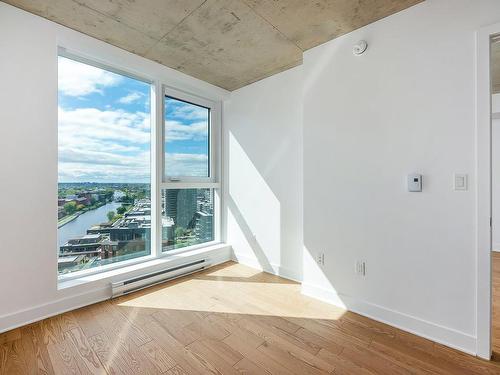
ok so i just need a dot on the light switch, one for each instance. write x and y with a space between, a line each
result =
414 183
460 182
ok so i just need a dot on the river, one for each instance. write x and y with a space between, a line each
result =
79 226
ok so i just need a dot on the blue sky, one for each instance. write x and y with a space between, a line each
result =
104 128
186 139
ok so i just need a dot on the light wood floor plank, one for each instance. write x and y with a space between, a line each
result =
247 367
373 361
260 358
12 358
177 370
175 349
64 360
230 319
84 350
227 353
158 356
207 355
35 350
296 361
342 365
111 357
86 320
15 334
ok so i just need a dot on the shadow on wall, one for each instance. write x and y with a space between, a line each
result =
243 230
318 285
256 226
253 212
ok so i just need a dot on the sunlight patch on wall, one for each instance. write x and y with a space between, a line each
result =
254 208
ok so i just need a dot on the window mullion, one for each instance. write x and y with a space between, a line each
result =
190 185
157 165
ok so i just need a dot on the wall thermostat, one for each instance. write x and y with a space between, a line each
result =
414 183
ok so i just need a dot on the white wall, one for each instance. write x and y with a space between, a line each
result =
263 151
405 106
495 178
28 159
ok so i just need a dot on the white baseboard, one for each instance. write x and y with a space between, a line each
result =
496 247
40 312
272 268
440 334
95 294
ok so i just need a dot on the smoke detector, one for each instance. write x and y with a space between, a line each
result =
359 48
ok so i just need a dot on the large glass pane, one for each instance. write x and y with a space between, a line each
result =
186 139
104 206
187 217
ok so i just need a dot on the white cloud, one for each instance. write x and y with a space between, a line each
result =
187 157
132 97
190 112
108 145
113 145
176 131
195 165
186 111
115 125
75 155
77 79
81 172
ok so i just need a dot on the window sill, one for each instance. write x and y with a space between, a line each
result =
217 253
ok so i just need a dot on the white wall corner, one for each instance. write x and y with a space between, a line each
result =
272 268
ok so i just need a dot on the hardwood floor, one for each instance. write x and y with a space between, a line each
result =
229 319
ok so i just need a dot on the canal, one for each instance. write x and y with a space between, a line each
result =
79 226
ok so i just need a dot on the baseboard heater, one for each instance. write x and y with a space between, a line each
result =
137 283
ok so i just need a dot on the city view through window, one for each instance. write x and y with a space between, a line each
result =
104 199
187 214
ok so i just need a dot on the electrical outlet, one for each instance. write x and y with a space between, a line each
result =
321 259
360 268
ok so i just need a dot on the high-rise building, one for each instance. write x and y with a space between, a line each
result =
204 226
181 206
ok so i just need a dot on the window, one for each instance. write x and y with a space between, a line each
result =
187 137
135 181
190 189
104 178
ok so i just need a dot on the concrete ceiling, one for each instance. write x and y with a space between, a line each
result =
229 43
